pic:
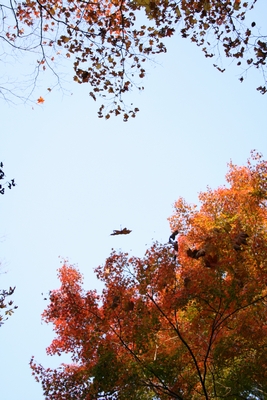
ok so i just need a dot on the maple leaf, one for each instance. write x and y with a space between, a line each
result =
170 32
40 100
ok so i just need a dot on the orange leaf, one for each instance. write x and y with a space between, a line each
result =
40 100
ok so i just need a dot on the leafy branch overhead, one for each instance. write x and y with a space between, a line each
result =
8 184
109 46
188 328
6 305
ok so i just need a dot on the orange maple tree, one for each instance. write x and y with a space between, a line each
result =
190 328
110 41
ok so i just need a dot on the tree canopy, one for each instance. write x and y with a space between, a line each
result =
109 42
189 327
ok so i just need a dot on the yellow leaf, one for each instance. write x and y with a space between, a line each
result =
207 6
65 39
178 12
237 5
145 3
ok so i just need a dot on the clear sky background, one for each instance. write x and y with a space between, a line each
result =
78 178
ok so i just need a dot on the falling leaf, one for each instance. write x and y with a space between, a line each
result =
40 100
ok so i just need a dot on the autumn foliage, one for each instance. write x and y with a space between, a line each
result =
109 42
190 328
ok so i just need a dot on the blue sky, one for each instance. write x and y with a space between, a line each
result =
78 178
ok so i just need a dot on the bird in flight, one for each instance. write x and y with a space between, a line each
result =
123 231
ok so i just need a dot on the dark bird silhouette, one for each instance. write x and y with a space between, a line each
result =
123 231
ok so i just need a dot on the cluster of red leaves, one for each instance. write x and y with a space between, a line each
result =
164 329
109 47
